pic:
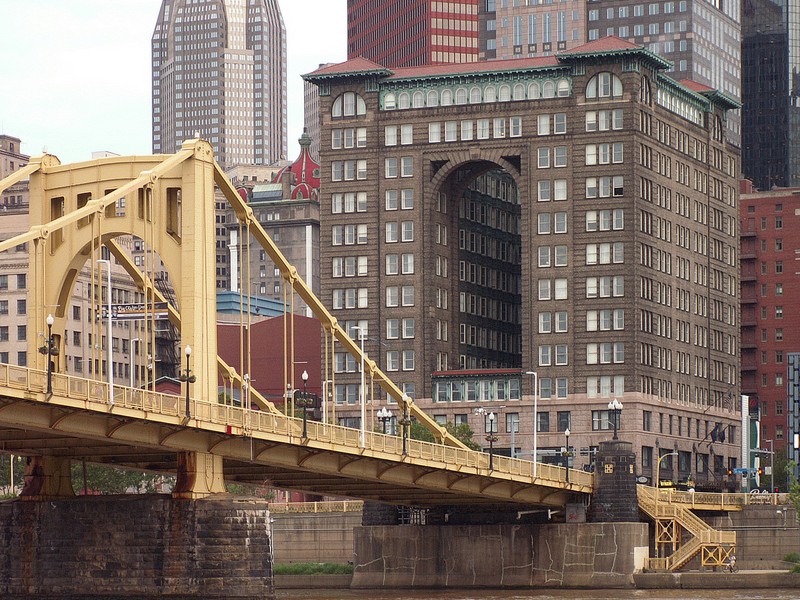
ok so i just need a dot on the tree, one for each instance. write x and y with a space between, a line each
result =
794 487
462 432
780 472
102 479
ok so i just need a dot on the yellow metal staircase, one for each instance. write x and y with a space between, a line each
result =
672 519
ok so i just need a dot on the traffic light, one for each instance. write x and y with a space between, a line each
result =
760 470
730 472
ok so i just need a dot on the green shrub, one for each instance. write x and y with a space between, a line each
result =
795 569
313 569
792 557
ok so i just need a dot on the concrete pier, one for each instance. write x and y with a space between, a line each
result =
594 555
137 546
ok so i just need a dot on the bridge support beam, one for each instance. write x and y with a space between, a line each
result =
199 475
47 477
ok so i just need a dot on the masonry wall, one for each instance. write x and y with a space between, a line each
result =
764 535
492 556
314 537
144 546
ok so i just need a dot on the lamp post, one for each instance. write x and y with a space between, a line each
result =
188 378
566 453
110 359
535 386
304 402
363 392
615 408
49 349
658 476
771 471
384 416
491 438
405 423
132 356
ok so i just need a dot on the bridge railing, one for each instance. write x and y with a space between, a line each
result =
94 391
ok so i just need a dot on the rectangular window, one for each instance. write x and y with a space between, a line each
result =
499 128
434 133
390 168
543 125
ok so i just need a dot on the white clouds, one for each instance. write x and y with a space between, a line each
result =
77 74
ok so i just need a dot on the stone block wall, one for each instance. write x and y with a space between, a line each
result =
764 534
143 546
314 537
495 556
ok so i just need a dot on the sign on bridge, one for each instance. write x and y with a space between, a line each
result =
137 312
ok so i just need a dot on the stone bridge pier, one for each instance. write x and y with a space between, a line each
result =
198 542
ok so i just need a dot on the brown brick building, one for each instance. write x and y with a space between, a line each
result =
574 216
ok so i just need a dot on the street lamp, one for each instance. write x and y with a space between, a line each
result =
491 438
363 394
132 357
405 423
110 359
615 408
535 386
384 416
566 453
188 378
771 470
658 476
49 349
304 402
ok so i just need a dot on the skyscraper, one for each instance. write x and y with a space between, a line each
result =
702 39
405 33
219 72
771 93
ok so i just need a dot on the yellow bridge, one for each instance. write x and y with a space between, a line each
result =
168 202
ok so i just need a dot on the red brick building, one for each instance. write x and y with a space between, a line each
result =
407 33
770 287
267 368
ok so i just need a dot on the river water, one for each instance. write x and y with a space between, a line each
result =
559 594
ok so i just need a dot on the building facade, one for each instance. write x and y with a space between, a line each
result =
404 33
771 93
287 207
603 258
219 72
770 327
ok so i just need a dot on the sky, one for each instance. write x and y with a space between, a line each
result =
76 73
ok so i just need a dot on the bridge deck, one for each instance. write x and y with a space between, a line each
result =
144 430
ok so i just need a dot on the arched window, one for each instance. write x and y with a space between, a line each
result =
563 88
350 104
534 91
389 102
433 98
504 93
519 91
461 96
604 85
418 100
489 94
336 109
475 95
404 100
447 97
644 91
549 89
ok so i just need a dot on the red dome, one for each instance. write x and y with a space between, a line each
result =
305 172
